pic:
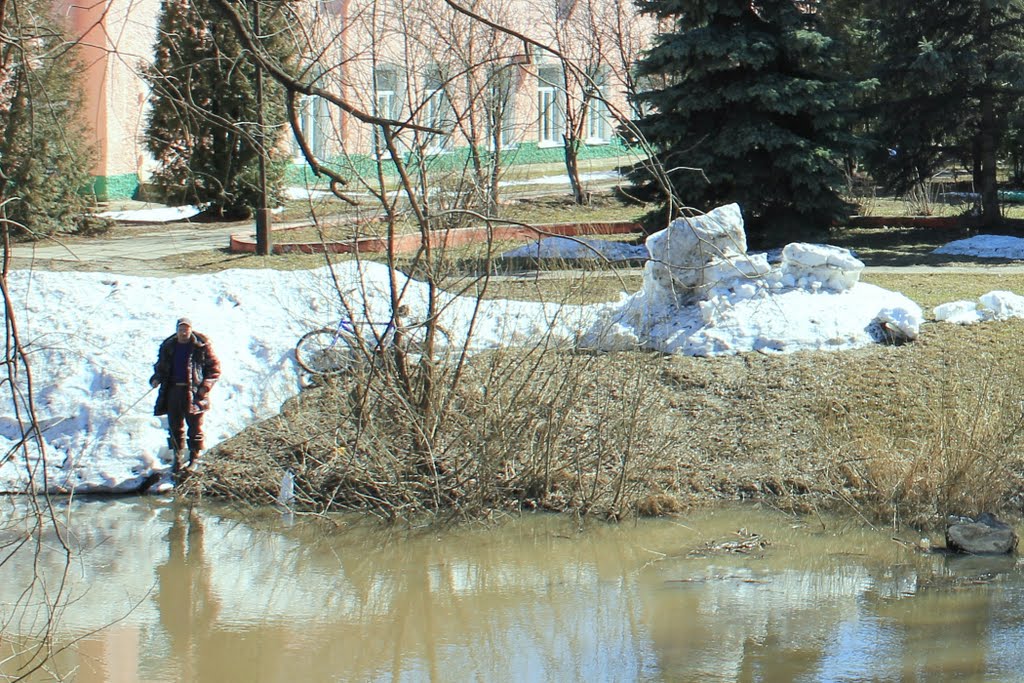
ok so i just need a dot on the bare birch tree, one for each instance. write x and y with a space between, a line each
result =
435 431
32 50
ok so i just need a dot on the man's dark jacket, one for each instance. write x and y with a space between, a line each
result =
203 372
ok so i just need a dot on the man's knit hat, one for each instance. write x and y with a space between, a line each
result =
184 321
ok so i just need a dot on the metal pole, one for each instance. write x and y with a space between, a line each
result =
263 242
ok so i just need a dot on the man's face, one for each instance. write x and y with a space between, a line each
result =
184 332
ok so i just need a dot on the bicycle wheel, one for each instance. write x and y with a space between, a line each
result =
322 352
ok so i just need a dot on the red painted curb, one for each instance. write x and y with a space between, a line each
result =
246 242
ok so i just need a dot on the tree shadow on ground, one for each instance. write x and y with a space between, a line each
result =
899 247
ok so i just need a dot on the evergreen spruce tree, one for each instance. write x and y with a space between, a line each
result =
44 161
952 77
751 97
201 127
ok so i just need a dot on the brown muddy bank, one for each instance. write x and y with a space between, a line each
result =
897 435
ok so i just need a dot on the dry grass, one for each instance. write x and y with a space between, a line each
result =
603 207
900 435
930 206
899 247
935 431
931 288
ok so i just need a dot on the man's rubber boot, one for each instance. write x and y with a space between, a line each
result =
176 458
193 461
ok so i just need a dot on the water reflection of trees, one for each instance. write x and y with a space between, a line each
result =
845 619
531 600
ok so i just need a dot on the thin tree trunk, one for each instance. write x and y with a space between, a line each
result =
989 184
572 167
987 132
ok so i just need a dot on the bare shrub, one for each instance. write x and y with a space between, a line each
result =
952 450
462 434
525 432
922 199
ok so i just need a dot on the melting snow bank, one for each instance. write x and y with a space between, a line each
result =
578 248
91 341
985 246
165 214
704 295
998 305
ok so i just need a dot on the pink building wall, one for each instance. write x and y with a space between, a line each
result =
116 39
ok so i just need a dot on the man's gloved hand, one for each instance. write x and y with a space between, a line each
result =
154 382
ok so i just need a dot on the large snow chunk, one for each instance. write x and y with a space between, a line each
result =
820 266
704 295
1004 305
960 312
996 305
692 253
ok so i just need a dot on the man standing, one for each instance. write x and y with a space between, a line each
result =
186 369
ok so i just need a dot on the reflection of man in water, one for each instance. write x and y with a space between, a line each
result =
188 607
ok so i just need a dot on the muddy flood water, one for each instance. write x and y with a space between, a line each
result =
158 592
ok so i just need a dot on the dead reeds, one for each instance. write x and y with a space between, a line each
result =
946 444
528 429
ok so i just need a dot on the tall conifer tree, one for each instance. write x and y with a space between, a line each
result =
201 127
44 160
750 96
952 76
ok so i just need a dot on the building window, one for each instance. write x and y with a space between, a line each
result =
385 90
438 111
599 130
564 10
500 113
551 116
385 99
315 125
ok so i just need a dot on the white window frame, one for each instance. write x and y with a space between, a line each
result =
385 102
437 109
599 129
547 123
501 93
313 113
550 116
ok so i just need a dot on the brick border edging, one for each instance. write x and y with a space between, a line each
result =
246 242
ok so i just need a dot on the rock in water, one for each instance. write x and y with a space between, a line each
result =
985 535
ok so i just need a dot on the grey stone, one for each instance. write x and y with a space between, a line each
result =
985 535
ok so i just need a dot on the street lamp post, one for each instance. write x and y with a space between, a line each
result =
263 241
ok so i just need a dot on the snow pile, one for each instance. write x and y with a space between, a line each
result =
985 246
704 295
92 338
578 248
997 305
162 214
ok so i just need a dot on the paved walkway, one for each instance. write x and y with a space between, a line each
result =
146 245
150 242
